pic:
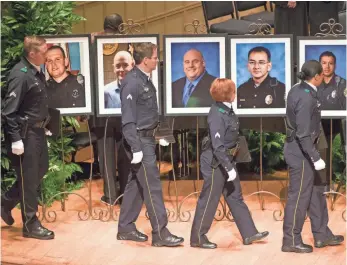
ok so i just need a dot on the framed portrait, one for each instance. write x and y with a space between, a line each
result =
331 53
68 74
261 67
191 64
114 60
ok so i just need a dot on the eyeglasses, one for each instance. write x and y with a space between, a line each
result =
260 63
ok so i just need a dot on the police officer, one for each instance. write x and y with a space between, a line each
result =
303 119
332 96
25 113
219 170
139 123
262 90
332 91
65 90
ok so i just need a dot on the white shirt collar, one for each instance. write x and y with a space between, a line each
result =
228 104
314 87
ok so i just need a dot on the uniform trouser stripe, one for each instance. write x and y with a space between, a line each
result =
150 197
208 200
23 196
297 202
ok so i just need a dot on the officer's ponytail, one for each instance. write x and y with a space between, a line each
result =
309 70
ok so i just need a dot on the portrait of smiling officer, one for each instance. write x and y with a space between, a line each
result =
261 90
193 90
122 64
65 90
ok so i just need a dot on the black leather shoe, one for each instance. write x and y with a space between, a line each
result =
300 248
258 236
333 241
169 241
133 236
39 232
207 245
6 216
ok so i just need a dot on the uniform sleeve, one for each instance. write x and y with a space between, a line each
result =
217 132
281 93
342 96
128 103
304 111
81 102
16 91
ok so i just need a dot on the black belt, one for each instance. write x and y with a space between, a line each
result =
40 124
147 133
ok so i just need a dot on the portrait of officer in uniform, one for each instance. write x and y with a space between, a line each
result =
65 90
332 91
261 90
192 90
123 62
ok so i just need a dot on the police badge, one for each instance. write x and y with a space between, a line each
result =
268 100
333 94
80 79
146 89
75 93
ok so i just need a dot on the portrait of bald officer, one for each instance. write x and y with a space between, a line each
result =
123 62
261 90
65 90
193 90
332 91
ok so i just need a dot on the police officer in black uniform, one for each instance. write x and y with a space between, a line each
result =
219 170
25 115
303 117
262 90
65 90
332 96
332 91
139 123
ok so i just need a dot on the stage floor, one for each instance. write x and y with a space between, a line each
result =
94 242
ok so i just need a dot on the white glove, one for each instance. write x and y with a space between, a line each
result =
319 165
48 132
18 148
137 157
232 175
163 142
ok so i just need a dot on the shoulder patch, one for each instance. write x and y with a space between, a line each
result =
222 110
307 90
24 69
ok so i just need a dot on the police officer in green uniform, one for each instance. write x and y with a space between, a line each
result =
65 90
262 90
25 115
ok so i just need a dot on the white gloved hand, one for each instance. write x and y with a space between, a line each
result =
163 142
48 132
232 175
319 165
137 157
18 147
